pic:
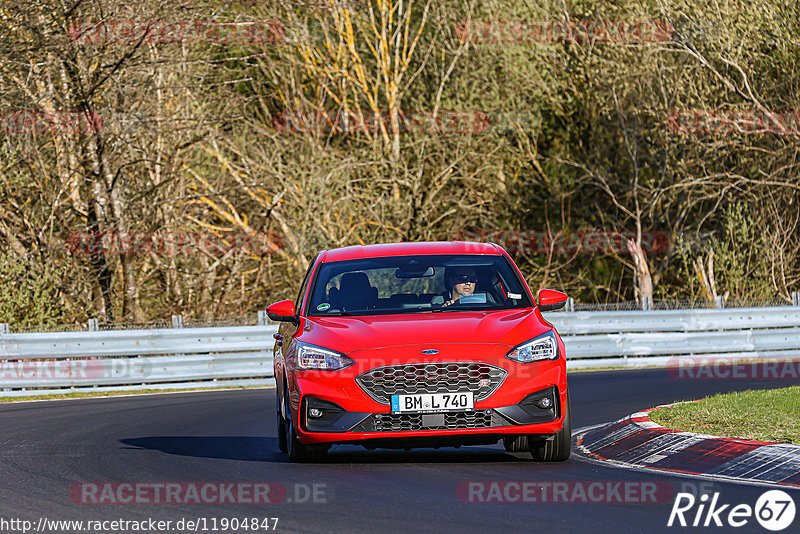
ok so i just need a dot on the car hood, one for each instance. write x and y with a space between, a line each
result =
351 334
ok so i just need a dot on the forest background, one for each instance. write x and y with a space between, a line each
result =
192 156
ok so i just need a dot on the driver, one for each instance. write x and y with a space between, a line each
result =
461 282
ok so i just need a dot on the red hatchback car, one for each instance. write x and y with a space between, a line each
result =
419 345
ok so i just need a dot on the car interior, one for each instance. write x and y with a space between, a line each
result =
357 293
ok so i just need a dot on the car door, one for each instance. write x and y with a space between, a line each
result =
283 339
287 329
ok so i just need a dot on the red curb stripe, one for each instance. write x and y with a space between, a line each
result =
793 480
587 437
703 457
624 446
641 419
706 454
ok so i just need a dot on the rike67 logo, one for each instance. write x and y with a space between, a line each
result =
774 510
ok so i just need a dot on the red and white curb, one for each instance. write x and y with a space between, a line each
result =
637 441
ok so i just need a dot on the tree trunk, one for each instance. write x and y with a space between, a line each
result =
641 273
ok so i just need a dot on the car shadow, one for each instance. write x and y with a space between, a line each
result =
265 449
248 448
473 454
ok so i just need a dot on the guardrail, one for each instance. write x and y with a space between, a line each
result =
242 355
136 359
639 338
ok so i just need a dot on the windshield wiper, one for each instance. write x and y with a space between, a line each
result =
470 307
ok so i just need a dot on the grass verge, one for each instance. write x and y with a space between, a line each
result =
762 415
119 393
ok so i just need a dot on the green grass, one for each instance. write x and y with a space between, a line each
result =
763 415
99 394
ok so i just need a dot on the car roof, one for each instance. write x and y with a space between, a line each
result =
404 249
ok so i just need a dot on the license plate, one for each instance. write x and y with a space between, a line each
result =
433 402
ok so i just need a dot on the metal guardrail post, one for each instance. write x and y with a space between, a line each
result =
795 298
570 305
3 329
93 326
720 302
647 303
262 318
177 322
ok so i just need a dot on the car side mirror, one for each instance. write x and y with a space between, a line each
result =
550 300
282 311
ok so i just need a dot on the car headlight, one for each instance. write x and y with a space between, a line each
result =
313 357
544 347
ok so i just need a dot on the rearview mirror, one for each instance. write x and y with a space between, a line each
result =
550 300
410 273
282 311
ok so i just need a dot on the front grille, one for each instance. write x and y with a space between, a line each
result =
396 422
383 382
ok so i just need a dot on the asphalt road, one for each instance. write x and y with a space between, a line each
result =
47 448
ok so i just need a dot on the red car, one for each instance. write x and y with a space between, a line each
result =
419 345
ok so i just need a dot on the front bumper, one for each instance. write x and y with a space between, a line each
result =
351 413
323 421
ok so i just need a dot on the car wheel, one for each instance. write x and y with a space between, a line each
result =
298 452
559 448
516 444
281 422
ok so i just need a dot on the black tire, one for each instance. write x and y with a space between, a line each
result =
559 448
281 422
516 444
298 452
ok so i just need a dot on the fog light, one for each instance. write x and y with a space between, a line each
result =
314 413
544 403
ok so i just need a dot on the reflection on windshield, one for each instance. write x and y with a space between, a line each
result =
416 284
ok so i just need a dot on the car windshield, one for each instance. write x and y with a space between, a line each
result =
416 284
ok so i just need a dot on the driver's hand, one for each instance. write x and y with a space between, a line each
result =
449 302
